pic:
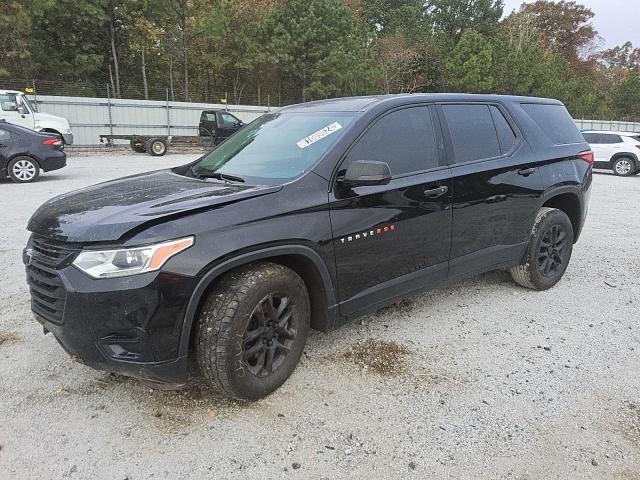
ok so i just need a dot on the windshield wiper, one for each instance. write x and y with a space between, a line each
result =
217 175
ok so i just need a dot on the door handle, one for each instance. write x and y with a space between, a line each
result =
436 192
525 172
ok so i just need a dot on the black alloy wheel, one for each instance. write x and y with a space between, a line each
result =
551 256
270 334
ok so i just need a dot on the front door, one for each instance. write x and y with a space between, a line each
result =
13 110
227 125
496 187
395 238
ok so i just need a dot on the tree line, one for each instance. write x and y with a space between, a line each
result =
285 51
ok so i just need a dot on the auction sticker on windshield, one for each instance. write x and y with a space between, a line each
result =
319 135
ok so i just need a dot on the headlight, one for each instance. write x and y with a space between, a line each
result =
129 261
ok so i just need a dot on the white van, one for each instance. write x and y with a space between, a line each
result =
16 108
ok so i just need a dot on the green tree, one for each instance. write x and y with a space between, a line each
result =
319 48
453 17
470 67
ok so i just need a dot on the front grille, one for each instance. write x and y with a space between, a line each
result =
51 253
46 287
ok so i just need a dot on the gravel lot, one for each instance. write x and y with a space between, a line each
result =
481 379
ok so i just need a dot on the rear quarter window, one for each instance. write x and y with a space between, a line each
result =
555 122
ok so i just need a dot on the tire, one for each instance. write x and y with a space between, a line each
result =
23 170
157 147
548 252
136 148
238 352
624 167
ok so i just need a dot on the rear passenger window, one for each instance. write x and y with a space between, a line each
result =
4 135
472 132
555 122
404 139
610 138
505 133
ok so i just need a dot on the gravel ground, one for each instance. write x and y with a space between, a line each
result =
481 379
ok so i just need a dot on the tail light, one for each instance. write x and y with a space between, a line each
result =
52 141
587 157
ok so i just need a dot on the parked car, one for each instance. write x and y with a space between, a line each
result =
24 152
617 151
306 218
16 108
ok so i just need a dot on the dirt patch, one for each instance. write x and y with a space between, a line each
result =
630 426
8 338
382 357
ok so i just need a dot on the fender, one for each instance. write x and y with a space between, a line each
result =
243 259
631 155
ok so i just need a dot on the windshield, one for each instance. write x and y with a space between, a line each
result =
276 146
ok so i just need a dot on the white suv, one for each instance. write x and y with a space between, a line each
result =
617 151
16 108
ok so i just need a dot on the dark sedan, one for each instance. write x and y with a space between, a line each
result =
24 152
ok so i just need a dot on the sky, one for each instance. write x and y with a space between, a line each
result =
616 20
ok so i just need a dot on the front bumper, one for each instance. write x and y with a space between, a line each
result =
128 325
68 138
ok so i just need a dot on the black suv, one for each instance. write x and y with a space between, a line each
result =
305 218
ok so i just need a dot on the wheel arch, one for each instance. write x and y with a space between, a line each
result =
630 155
30 157
54 131
301 259
568 200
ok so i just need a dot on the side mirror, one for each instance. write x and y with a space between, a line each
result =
363 173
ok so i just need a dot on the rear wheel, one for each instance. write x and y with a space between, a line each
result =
23 170
549 251
624 167
156 147
252 329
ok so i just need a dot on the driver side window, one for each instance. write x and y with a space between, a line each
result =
404 139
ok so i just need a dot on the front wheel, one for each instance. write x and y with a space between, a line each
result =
624 167
549 251
252 330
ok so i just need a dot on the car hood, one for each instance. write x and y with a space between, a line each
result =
52 119
108 211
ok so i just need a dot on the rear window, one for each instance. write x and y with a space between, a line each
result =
555 122
505 132
473 133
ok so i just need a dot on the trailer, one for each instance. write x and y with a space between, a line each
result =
157 145
215 127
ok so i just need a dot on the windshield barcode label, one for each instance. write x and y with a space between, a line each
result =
319 135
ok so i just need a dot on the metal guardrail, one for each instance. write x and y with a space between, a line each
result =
91 117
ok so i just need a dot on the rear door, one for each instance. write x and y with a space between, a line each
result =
207 127
5 148
395 238
496 186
